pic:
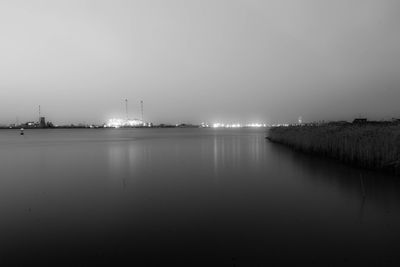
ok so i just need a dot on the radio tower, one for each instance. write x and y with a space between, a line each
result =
141 108
126 109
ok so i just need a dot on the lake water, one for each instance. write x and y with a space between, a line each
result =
189 197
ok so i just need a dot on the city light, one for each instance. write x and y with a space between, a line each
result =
218 125
256 125
238 125
281 125
117 123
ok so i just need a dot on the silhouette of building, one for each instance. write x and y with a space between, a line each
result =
42 122
360 121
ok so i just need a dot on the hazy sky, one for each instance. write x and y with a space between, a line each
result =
199 60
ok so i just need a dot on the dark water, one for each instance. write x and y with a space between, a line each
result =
187 197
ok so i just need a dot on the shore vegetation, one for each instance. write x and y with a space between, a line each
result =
373 145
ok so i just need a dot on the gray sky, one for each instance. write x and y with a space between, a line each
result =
200 60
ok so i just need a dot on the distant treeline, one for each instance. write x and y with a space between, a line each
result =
374 145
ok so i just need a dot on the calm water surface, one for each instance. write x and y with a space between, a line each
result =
188 197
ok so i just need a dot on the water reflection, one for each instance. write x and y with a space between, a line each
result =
190 197
362 205
215 157
380 188
371 198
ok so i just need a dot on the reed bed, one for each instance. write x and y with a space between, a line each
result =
373 146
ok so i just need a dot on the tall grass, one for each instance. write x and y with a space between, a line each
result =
374 146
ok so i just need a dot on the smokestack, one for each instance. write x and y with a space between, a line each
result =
141 107
126 109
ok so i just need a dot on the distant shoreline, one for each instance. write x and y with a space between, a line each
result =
371 145
97 127
165 126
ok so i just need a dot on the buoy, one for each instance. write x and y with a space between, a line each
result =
22 131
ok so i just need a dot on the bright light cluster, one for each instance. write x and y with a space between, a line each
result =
256 125
117 123
238 125
280 125
218 125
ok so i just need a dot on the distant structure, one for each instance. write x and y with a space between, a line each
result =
119 122
141 108
300 120
360 120
42 122
126 109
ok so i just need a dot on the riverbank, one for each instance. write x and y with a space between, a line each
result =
368 145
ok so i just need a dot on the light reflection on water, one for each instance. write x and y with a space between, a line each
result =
188 196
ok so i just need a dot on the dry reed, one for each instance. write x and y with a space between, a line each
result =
369 145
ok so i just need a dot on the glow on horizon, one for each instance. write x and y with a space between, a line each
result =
238 125
117 123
